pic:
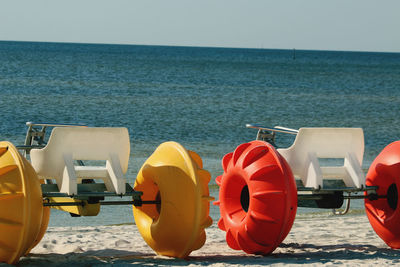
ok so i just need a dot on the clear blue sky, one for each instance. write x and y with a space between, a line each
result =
356 25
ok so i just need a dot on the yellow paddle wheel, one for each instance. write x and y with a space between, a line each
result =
21 209
174 175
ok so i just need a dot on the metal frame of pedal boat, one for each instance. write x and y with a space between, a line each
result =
89 190
322 195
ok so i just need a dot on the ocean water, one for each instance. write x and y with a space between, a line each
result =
199 97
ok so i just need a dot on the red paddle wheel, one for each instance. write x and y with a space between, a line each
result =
257 198
384 213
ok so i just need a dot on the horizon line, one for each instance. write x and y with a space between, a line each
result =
200 46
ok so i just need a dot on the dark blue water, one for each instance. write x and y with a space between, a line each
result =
200 97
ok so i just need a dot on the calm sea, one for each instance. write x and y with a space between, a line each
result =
200 97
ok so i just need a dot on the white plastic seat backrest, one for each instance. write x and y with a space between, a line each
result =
314 143
67 144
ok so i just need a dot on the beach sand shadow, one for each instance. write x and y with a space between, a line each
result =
291 253
309 253
106 257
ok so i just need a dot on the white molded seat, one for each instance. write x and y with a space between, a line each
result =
336 143
67 144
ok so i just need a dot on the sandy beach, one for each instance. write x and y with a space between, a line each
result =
321 240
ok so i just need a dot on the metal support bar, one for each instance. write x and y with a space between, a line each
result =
105 203
29 123
88 190
320 196
342 212
334 199
371 197
344 189
36 135
61 204
157 202
278 129
309 197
